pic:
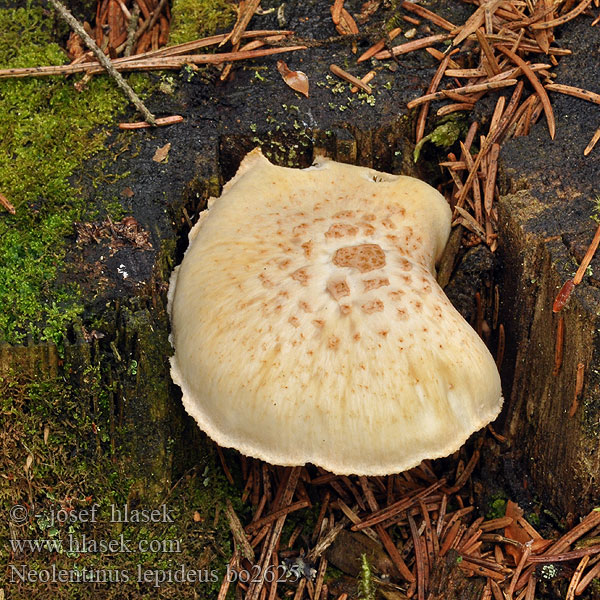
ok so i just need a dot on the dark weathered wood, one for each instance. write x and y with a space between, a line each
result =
546 214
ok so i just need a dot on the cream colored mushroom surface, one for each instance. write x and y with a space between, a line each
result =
308 325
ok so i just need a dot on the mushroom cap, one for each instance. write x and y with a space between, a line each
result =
308 325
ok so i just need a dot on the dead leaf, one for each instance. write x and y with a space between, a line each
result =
46 433
515 531
28 462
297 80
127 192
162 154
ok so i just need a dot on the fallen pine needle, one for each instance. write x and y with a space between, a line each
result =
412 45
350 78
160 122
5 202
378 46
366 79
574 91
563 296
592 143
564 19
587 259
427 14
468 89
535 82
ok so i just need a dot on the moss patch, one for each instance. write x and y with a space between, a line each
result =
193 19
63 490
47 131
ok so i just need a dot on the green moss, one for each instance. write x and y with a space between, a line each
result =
366 585
193 19
60 455
496 507
47 131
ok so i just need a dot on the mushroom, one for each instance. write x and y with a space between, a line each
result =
308 325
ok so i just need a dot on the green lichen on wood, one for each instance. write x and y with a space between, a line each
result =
193 19
47 131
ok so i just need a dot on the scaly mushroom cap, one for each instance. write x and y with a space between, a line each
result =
308 325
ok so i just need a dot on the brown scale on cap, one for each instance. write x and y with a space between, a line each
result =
339 230
372 306
308 248
366 257
338 288
301 276
373 284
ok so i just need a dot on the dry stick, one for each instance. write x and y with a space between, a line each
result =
171 62
366 79
239 535
587 259
565 556
103 60
535 82
131 30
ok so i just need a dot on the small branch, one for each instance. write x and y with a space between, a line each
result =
103 60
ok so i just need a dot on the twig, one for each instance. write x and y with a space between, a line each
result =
170 62
104 61
133 20
239 535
